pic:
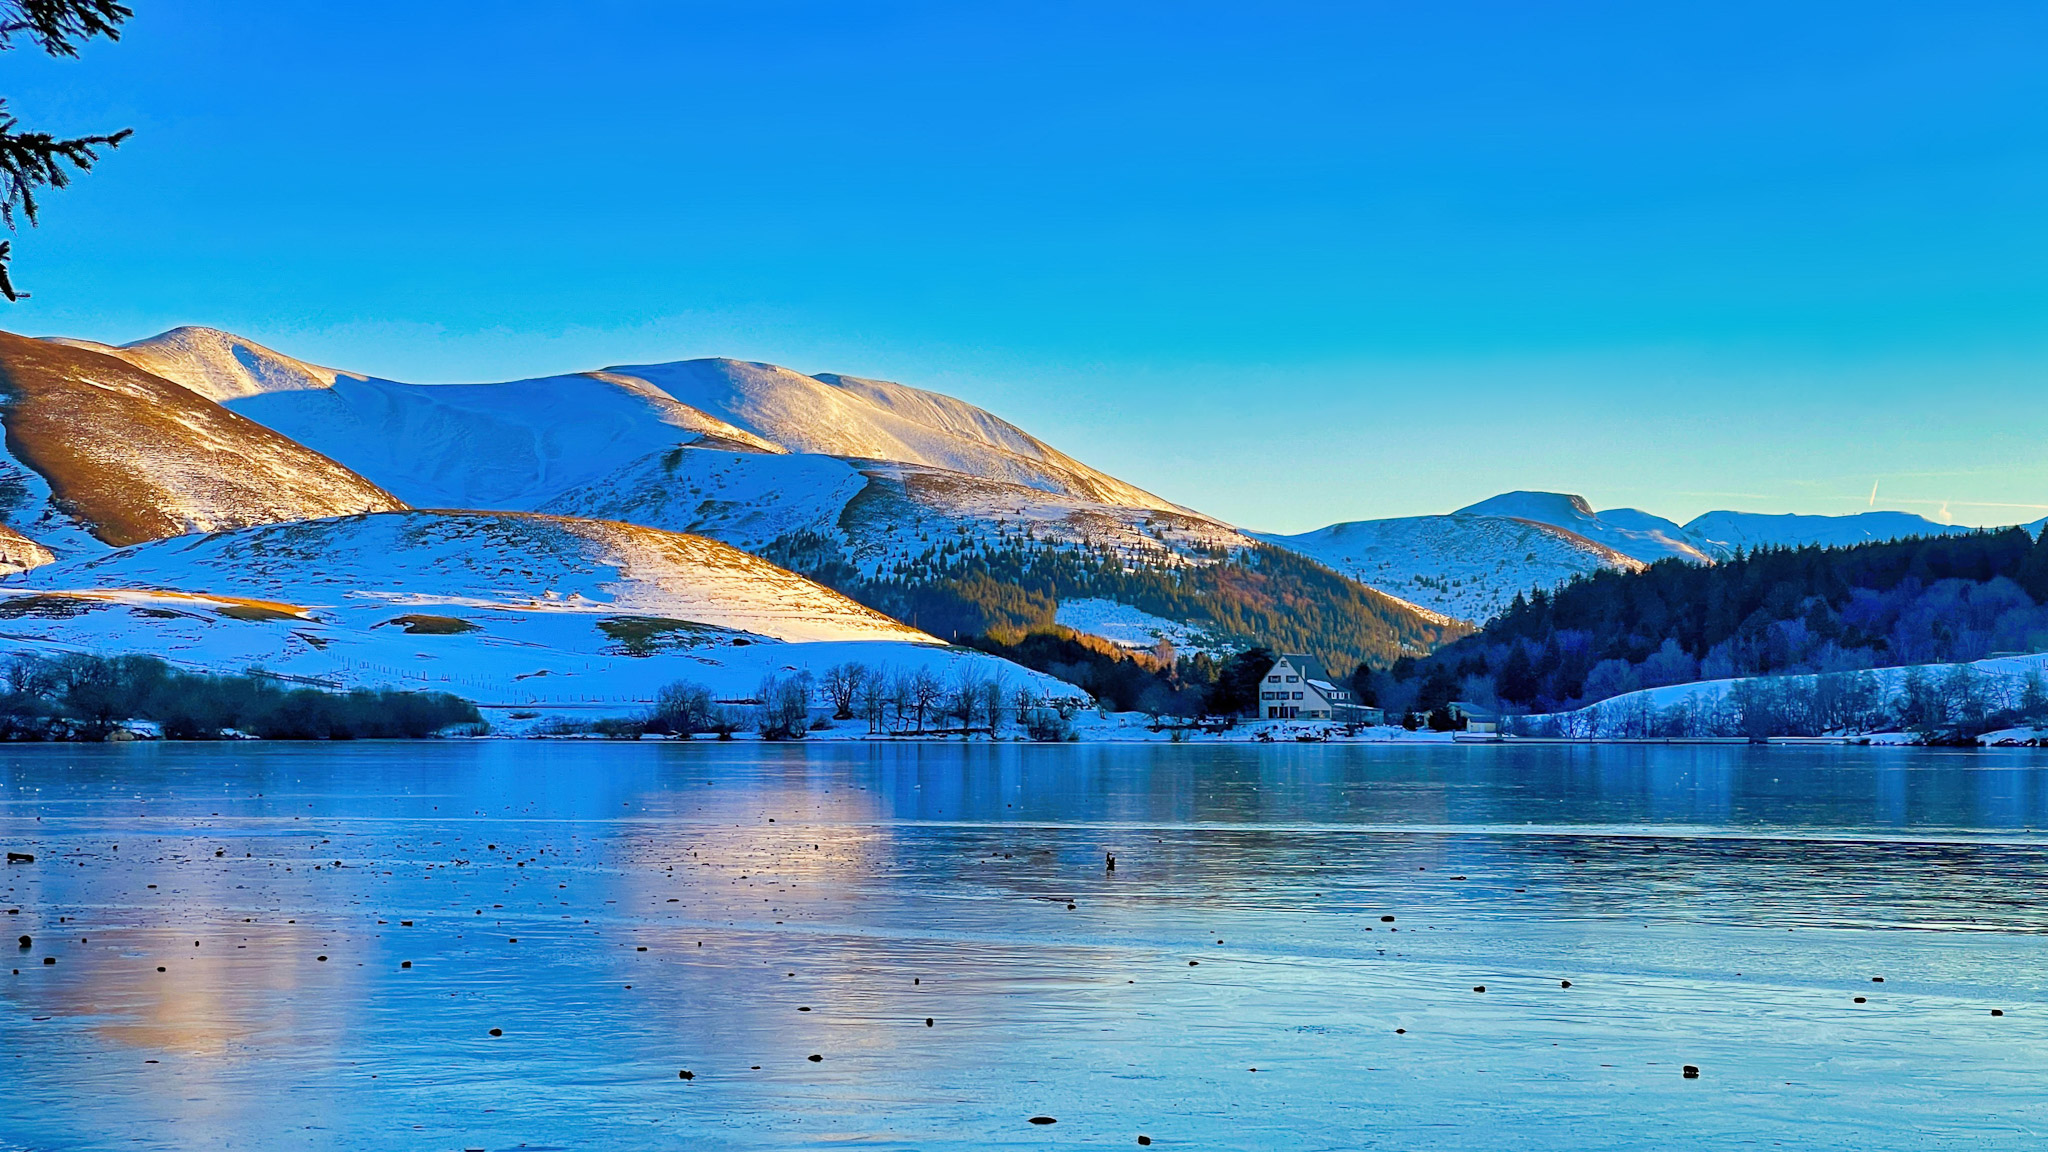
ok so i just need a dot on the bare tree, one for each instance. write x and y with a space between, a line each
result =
874 698
964 699
785 706
926 690
994 691
683 708
900 695
1047 722
725 720
841 683
1023 701
32 160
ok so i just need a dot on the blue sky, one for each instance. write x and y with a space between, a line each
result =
1286 263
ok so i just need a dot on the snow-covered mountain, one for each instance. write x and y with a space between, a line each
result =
851 479
521 443
743 451
1463 565
101 453
504 608
1713 535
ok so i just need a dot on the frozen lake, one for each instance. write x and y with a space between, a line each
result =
783 922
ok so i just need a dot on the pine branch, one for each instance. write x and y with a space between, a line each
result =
59 26
32 160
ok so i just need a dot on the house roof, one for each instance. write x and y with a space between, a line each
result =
1307 666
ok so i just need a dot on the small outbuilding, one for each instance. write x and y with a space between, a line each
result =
1471 717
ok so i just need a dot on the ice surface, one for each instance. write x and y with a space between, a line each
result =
1716 907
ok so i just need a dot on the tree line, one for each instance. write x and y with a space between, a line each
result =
84 697
920 701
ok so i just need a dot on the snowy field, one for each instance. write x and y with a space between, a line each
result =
501 609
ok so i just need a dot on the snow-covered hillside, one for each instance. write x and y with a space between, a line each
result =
885 490
100 452
1867 701
875 420
523 443
1468 567
503 608
1127 627
513 446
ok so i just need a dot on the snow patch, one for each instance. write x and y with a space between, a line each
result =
1129 627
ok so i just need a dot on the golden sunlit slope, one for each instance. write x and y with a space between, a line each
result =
130 456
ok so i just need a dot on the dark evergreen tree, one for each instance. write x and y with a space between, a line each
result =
1517 682
1236 691
1439 687
1363 688
32 160
2033 573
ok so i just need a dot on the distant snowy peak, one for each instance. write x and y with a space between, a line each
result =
220 366
1725 532
1465 566
1560 508
1633 533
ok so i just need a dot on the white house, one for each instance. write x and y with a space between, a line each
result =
1296 688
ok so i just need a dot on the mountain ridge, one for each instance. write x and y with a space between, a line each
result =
879 488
